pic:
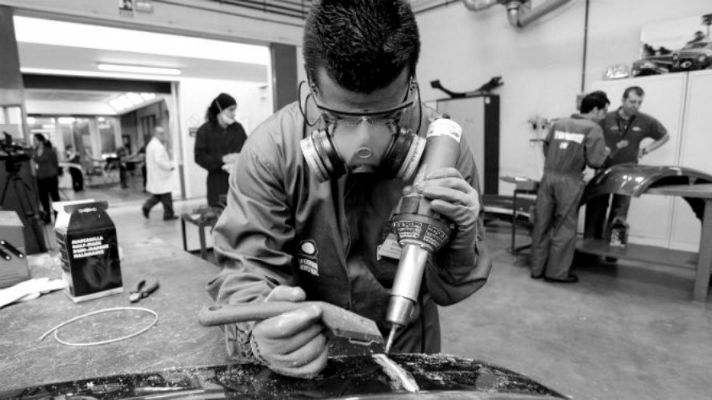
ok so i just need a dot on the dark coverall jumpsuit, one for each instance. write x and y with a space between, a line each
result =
571 144
282 226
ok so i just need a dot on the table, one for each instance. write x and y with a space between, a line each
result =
177 340
202 221
701 261
517 210
523 186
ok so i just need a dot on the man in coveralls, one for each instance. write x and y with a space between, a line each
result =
571 144
308 210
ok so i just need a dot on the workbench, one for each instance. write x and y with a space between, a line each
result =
177 340
700 262
178 358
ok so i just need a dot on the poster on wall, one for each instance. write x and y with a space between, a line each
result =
675 46
126 8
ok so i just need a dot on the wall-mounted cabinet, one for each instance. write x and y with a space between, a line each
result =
681 102
479 118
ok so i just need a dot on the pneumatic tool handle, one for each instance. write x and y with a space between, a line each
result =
419 230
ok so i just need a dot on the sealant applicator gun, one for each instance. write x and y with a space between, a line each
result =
420 231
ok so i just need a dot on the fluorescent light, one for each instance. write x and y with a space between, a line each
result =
71 34
97 74
130 100
139 69
65 120
134 98
31 120
120 103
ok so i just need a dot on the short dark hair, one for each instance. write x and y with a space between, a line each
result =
635 89
597 99
363 45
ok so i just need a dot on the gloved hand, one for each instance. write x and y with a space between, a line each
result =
451 196
292 343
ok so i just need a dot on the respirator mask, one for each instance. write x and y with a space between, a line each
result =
226 119
369 142
226 115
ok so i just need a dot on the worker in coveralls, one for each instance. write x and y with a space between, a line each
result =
571 144
308 210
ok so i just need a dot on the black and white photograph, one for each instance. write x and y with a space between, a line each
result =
355 199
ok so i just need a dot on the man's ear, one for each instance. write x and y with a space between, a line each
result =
312 85
311 81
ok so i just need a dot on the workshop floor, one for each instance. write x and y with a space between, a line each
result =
625 331
107 190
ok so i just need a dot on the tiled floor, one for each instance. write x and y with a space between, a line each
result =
100 188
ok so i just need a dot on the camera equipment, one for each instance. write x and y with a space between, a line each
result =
14 155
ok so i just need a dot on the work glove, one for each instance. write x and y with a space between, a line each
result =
451 196
293 343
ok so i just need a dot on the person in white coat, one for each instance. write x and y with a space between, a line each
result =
159 170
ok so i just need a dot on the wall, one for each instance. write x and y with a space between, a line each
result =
541 64
254 105
203 19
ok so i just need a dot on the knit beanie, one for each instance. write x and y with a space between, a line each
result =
224 101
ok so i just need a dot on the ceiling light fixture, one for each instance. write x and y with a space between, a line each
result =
139 69
130 100
72 34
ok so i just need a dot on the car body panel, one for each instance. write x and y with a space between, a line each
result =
636 179
353 377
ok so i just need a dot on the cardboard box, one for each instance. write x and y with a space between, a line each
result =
15 270
89 250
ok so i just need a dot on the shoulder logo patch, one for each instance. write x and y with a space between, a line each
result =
307 247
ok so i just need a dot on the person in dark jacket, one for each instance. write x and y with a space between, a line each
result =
217 144
47 174
75 171
308 211
571 144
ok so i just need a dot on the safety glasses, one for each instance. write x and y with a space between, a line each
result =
379 117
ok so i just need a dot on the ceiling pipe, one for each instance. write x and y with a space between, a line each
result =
479 5
520 13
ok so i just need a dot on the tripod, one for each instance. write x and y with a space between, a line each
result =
22 191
